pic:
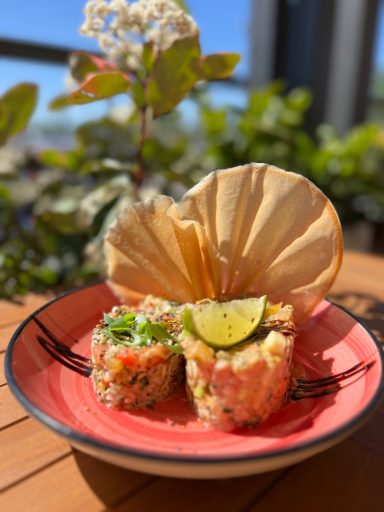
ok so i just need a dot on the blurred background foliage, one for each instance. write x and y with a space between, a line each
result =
55 206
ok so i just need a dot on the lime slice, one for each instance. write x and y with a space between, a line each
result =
224 324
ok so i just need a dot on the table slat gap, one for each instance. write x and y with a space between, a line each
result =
77 482
226 495
135 491
284 473
319 483
26 448
16 313
41 472
2 374
11 409
6 333
35 472
14 423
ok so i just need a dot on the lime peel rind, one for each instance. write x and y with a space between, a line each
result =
224 324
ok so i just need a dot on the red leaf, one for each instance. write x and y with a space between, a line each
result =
83 63
99 86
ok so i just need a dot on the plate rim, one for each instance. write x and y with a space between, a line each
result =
79 438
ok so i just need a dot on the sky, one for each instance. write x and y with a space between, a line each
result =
222 28
378 55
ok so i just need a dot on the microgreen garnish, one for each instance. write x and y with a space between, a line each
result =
135 330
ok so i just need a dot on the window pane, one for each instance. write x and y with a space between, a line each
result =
57 23
222 27
51 80
375 108
45 21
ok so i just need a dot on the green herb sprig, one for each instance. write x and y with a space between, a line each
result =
135 330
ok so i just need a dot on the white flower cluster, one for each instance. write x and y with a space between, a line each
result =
122 27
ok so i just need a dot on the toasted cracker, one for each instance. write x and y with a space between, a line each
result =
246 231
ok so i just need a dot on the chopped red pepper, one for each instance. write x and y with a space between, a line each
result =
128 357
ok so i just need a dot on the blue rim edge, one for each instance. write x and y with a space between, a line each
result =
77 437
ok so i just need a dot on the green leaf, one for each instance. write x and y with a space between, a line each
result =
122 323
176 348
106 137
214 121
16 107
107 319
182 4
299 99
174 74
141 319
80 98
134 329
186 319
60 211
138 94
4 116
218 65
100 86
100 197
59 102
62 159
5 195
148 56
82 64
46 274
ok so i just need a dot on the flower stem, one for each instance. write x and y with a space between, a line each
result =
139 173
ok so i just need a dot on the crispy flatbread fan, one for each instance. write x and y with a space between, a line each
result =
240 232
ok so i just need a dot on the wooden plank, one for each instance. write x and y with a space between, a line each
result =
26 448
78 482
10 409
361 273
174 495
14 312
2 374
43 476
346 477
6 334
371 434
359 288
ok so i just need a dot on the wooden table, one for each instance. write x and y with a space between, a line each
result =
41 472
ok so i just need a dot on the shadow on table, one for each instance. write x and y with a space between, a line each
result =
114 486
111 484
370 310
365 307
124 490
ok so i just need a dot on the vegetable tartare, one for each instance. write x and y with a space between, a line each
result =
136 357
141 354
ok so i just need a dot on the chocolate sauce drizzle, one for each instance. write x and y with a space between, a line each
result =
300 389
315 388
62 353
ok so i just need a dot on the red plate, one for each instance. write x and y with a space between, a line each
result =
168 439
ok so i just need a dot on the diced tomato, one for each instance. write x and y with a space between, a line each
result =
105 383
128 357
153 355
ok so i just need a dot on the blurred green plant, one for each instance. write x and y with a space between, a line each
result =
271 128
16 107
76 195
152 53
53 231
55 206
